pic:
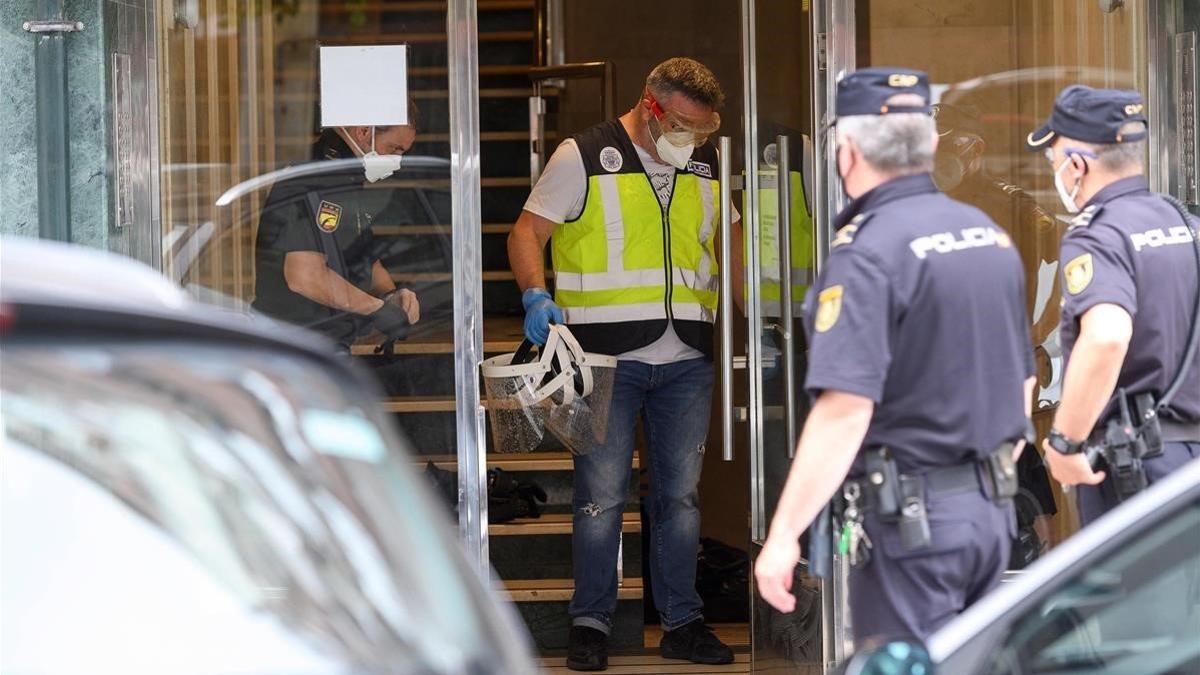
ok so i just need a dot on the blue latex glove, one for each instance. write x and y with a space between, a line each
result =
540 312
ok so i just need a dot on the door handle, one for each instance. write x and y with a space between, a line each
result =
725 301
786 324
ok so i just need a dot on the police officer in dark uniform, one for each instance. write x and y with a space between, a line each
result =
317 263
921 371
959 172
1130 278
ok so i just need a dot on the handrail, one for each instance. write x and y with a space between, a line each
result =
605 70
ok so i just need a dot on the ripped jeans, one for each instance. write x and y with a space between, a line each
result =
674 401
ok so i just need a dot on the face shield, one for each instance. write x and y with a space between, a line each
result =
561 388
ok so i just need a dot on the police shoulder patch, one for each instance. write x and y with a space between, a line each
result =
1085 217
328 216
829 308
845 233
1078 273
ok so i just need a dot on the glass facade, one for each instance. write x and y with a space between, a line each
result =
997 68
196 144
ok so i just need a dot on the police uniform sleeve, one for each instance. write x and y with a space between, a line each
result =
1096 270
286 226
849 324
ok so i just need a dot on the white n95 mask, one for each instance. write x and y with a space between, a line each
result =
377 166
675 155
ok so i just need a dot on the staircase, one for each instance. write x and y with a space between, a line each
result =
531 556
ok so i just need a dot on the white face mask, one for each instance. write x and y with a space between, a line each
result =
675 155
377 166
1068 199
674 147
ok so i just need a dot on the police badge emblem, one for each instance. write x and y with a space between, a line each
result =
610 159
829 308
1078 273
328 216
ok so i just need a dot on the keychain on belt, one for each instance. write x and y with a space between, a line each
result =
853 544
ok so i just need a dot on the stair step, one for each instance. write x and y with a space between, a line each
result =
501 334
529 461
442 230
486 137
488 275
297 72
418 404
416 38
430 94
444 183
555 523
396 8
560 590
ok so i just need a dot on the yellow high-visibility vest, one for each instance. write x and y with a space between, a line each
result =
624 261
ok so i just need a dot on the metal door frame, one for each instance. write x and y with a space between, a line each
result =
833 43
462 37
1166 105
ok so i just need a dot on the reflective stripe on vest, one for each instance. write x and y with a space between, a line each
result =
768 237
610 263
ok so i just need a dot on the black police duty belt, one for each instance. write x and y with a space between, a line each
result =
995 477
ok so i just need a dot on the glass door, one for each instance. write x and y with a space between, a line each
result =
995 70
268 204
783 204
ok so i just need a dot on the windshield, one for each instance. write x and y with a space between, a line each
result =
279 478
1137 611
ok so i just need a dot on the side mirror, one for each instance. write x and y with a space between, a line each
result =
890 657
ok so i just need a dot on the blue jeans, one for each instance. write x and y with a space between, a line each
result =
674 401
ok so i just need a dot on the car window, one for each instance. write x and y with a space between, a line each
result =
1136 611
278 477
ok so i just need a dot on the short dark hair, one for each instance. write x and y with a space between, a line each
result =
414 118
688 77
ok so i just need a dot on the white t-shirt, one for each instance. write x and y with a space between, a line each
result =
559 196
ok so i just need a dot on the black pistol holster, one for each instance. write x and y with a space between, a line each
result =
900 499
1125 443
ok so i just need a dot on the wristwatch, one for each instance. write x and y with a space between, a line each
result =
1062 444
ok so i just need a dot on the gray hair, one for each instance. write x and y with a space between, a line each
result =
894 144
1128 157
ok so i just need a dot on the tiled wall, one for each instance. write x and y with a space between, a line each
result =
109 26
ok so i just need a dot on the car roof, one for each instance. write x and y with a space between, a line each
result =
52 283
1111 529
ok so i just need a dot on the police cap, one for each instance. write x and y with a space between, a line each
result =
1092 116
866 91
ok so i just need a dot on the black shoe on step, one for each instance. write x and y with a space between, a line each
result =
587 649
695 642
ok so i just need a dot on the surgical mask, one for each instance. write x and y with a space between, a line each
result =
1068 199
675 155
377 166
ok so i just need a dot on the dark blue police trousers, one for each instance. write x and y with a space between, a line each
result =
913 593
1096 500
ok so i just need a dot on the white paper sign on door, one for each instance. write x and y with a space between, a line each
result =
364 85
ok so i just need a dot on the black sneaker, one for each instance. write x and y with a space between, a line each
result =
695 642
587 649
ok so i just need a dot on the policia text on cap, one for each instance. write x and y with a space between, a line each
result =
922 373
1129 334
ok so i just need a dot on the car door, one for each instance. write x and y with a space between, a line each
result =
1125 598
